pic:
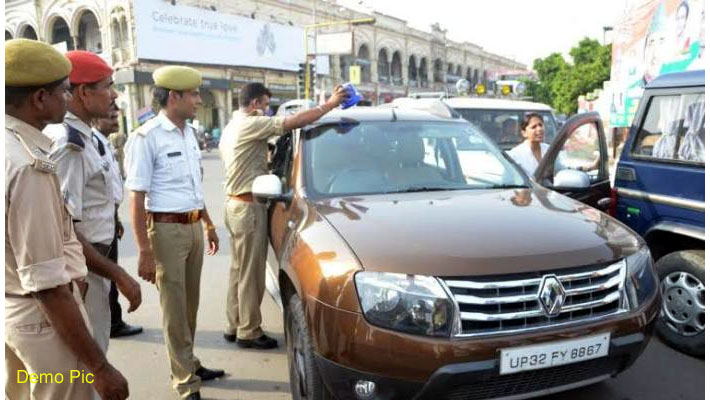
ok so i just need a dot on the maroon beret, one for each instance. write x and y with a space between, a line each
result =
87 67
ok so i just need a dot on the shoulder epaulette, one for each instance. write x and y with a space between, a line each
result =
74 139
40 160
144 129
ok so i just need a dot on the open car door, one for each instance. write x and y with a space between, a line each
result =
576 164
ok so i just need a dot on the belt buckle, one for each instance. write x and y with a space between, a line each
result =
194 216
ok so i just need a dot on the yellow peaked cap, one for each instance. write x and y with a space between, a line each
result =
33 63
177 78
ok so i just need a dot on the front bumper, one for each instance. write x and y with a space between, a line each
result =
412 367
481 380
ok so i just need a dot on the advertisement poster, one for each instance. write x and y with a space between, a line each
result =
653 37
195 35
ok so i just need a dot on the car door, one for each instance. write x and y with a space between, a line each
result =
579 145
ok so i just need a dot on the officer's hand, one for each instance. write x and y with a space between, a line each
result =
130 288
146 265
339 94
212 242
110 384
119 230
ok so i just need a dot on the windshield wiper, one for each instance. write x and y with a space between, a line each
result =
508 186
413 189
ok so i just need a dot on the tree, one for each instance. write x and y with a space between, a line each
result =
560 83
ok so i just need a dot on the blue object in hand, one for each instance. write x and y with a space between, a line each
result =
353 96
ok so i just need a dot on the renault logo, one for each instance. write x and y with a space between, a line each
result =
551 295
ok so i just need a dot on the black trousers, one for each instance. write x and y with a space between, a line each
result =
115 307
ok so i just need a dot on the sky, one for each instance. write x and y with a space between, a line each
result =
520 29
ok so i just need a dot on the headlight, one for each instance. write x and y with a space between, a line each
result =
406 303
641 278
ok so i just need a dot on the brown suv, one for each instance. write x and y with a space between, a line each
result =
414 260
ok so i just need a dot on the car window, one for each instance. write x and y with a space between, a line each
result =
397 156
673 129
503 126
581 151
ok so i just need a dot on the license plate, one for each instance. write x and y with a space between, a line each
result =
546 355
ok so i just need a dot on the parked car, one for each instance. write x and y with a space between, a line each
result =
500 119
404 274
660 193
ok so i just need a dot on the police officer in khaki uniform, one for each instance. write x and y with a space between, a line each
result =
85 178
164 176
243 148
118 140
46 328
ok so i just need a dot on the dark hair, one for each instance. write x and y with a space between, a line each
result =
161 95
528 118
16 96
252 91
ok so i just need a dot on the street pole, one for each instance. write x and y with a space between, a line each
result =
359 21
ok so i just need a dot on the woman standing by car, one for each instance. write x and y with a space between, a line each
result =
529 153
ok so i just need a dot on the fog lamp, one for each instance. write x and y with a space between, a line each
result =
364 389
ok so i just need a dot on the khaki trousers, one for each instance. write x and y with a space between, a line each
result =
247 225
179 250
34 347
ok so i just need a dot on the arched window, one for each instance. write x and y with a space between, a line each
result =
438 71
345 62
468 74
60 33
28 32
89 33
8 35
459 74
449 73
363 60
396 68
424 72
115 34
412 71
383 66
475 76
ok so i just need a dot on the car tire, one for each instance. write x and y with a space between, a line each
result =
681 323
306 381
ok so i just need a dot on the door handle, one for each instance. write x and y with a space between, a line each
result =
291 224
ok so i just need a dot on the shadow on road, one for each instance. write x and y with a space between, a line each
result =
251 385
204 339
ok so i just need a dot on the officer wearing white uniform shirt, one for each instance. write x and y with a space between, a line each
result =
84 177
162 164
103 127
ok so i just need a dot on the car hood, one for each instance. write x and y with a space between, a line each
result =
476 232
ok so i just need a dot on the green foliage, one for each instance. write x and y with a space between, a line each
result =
561 83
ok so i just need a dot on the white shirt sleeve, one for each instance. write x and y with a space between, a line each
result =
138 163
70 171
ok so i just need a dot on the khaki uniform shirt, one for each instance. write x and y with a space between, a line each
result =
86 179
41 249
244 149
118 140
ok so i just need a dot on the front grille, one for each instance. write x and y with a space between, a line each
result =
491 385
506 304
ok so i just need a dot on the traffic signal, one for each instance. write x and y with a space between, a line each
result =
301 81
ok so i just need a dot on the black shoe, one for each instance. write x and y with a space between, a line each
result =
209 374
230 337
263 342
125 330
194 396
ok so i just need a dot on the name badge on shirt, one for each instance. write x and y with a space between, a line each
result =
174 154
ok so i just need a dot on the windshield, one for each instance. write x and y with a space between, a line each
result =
503 126
403 156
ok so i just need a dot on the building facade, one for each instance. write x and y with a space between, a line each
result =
395 59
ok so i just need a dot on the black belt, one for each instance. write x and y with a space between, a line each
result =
104 249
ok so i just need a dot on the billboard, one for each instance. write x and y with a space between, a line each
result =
194 35
654 37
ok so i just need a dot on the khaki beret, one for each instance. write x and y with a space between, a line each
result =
177 78
33 63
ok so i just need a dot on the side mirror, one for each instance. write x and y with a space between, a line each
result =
269 187
571 179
